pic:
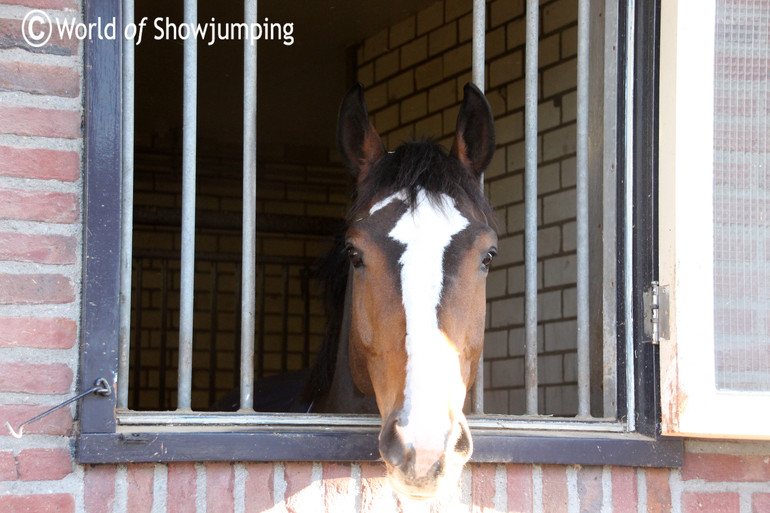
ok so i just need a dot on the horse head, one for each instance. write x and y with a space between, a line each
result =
420 244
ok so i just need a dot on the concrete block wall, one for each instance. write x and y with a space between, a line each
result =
415 72
304 184
40 281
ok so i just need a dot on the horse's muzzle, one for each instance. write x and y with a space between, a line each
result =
420 468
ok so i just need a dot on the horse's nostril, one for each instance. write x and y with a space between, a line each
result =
392 447
464 445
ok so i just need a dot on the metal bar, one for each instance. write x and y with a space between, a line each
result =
583 310
163 360
628 218
285 319
213 328
530 206
248 300
261 327
187 281
137 364
485 422
610 213
237 327
477 64
305 277
127 209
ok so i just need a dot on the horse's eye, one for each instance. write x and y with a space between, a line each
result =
487 260
355 257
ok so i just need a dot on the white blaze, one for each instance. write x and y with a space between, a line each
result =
433 378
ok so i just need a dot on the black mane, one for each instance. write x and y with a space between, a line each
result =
413 166
420 165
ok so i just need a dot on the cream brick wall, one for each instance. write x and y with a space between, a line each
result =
414 74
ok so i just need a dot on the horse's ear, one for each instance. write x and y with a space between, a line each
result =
358 141
474 142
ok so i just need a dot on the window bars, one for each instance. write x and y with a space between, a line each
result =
585 287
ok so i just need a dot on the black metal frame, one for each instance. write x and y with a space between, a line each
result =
99 441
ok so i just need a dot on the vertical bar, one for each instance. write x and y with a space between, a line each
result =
237 326
285 319
628 218
138 334
261 334
305 277
530 205
479 26
187 282
583 312
213 328
249 249
127 210
610 213
163 360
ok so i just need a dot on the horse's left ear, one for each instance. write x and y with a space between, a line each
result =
474 142
358 141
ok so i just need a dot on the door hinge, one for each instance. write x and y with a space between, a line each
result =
655 300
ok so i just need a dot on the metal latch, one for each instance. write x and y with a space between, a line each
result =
655 300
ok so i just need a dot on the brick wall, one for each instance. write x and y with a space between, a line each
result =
306 184
40 268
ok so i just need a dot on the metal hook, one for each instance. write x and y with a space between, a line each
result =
101 387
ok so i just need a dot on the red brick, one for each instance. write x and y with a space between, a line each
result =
40 164
44 464
760 503
726 467
64 5
11 37
337 486
374 487
298 479
39 79
624 492
140 478
41 249
35 378
555 494
483 487
181 487
50 207
8 466
589 487
220 482
519 488
43 333
259 487
716 502
56 423
35 289
99 492
658 491
54 503
35 122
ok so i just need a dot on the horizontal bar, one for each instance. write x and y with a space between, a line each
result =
342 444
277 420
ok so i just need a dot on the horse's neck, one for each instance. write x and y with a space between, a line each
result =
343 395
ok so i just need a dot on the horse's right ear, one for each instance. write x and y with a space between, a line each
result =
358 141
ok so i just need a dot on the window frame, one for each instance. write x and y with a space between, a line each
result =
692 404
351 438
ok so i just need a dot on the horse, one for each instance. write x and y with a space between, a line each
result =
406 286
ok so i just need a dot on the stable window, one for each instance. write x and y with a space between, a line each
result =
198 297
715 361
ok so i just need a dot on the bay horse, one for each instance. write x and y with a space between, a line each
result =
407 290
